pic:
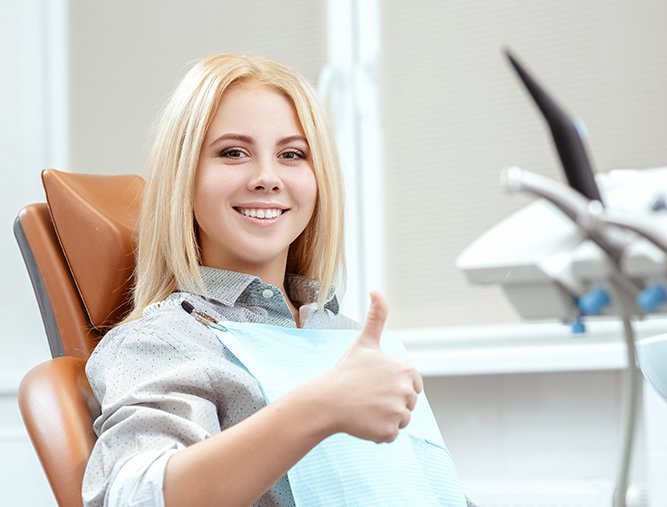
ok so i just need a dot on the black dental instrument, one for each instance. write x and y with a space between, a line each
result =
565 134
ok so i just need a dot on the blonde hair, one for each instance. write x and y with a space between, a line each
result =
167 250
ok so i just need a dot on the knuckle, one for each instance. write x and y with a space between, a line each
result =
397 412
393 436
389 433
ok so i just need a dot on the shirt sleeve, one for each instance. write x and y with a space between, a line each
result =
139 481
156 397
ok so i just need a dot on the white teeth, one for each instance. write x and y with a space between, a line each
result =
260 213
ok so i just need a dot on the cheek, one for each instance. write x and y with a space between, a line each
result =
213 188
201 199
307 190
207 195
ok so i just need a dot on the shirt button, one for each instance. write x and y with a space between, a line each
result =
267 293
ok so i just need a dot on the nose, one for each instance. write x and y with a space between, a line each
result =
265 177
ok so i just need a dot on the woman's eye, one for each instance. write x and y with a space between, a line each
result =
233 153
293 155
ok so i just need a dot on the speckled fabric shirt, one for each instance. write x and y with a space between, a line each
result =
165 382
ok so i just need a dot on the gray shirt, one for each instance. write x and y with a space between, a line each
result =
165 382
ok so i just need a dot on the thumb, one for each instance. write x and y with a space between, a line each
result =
375 319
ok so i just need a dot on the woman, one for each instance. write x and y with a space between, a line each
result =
241 221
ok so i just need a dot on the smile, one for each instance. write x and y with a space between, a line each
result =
261 213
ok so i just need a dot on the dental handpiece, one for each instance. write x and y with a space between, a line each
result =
576 207
631 222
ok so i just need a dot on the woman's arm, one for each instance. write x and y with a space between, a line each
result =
238 465
369 395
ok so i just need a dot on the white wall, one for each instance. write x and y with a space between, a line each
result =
23 144
25 123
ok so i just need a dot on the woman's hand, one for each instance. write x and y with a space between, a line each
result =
369 393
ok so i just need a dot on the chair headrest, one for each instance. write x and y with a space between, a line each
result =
95 218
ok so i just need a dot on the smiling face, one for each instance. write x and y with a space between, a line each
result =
255 189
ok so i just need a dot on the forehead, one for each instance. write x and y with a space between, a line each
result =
250 106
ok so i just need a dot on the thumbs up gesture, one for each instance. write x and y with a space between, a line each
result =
375 319
372 394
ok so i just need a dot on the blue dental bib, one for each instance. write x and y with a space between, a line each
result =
413 470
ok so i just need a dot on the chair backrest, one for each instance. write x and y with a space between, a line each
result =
79 251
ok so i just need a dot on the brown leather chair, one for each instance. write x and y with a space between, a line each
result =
79 251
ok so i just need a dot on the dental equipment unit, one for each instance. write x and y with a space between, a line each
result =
570 254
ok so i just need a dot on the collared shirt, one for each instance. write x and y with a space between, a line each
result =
165 382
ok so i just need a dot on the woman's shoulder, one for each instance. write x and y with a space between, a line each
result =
164 326
165 344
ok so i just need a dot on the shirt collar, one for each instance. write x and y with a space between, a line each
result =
228 286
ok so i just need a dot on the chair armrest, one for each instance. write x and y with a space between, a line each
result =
58 409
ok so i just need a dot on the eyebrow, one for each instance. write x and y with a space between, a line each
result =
249 140
291 139
233 137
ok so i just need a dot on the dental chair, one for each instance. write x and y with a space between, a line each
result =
78 248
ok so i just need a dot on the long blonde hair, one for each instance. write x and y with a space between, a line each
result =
167 251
